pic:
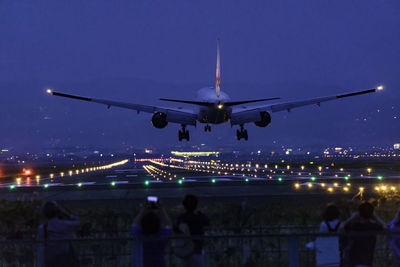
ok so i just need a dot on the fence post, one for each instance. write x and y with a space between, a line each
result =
294 256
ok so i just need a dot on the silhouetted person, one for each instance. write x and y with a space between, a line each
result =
196 222
327 248
360 250
331 221
394 240
152 227
60 225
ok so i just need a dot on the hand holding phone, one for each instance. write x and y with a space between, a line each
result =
153 202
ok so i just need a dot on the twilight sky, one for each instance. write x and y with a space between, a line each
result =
138 51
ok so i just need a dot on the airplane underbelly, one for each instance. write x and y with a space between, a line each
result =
214 116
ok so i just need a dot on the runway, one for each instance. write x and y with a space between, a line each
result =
173 177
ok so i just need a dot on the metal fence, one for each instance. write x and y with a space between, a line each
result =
250 249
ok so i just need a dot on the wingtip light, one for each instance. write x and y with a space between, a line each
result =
49 91
379 88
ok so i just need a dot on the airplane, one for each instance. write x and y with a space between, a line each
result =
213 106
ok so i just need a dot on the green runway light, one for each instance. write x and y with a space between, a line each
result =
346 178
112 183
247 179
79 184
146 183
180 182
12 186
280 179
379 177
213 181
313 178
46 185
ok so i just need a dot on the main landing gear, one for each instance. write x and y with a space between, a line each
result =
207 128
184 134
242 133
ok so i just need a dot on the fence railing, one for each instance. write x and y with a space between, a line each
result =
219 250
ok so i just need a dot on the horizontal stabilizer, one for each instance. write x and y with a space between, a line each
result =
249 101
187 102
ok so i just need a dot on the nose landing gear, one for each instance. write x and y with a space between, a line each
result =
207 128
242 133
184 134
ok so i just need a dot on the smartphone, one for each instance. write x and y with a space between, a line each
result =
152 199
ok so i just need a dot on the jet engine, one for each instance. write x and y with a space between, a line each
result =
159 120
265 119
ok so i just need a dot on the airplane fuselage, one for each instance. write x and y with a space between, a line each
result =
216 112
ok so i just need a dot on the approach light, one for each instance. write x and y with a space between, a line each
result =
379 88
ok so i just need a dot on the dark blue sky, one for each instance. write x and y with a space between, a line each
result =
138 51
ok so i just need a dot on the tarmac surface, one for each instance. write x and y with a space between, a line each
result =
130 181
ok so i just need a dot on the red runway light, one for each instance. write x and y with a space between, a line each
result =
27 171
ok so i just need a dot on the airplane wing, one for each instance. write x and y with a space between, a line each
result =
252 114
173 115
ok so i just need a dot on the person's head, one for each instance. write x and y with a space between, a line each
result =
190 203
366 210
150 223
50 209
331 212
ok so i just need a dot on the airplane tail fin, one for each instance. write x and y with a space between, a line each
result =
218 73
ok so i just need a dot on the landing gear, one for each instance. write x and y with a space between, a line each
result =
242 133
207 128
184 134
